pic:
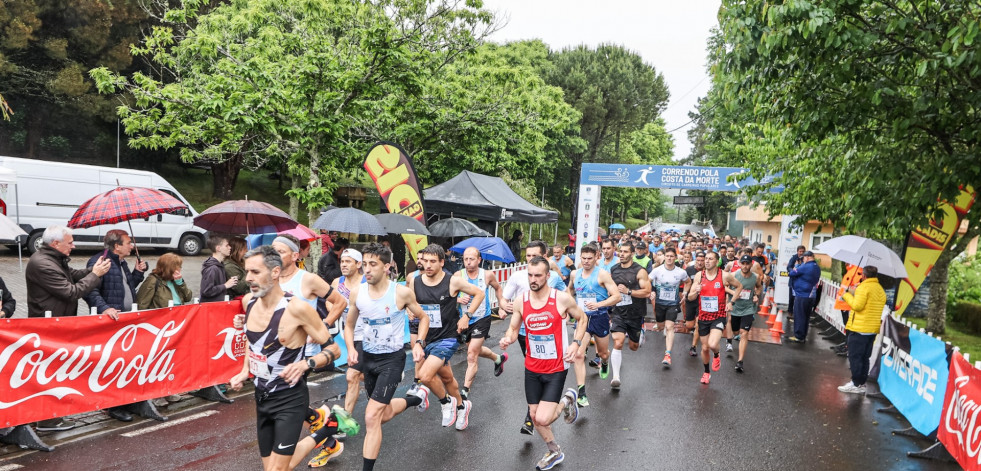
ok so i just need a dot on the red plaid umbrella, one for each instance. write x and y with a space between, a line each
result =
123 204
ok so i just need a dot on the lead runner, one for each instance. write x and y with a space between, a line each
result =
543 313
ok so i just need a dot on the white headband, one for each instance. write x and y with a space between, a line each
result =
353 254
286 242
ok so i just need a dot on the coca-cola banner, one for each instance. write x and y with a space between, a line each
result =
60 366
960 429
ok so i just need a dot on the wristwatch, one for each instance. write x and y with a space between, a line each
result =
311 363
419 341
578 342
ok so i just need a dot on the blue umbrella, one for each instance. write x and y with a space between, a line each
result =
617 225
491 248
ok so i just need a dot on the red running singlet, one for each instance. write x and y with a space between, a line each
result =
547 336
712 298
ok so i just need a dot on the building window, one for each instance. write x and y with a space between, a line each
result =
819 238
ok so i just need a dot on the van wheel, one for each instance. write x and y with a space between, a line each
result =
190 245
34 242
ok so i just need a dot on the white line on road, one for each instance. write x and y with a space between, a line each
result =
10 467
172 423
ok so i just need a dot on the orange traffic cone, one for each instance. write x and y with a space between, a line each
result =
778 324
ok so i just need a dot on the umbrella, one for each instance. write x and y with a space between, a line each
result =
301 232
401 224
863 252
124 204
456 227
491 248
617 225
351 220
244 217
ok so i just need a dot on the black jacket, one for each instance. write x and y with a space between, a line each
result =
109 293
9 304
213 281
328 268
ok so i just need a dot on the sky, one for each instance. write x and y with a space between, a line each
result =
669 35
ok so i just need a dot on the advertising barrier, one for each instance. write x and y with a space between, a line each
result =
55 367
960 429
827 307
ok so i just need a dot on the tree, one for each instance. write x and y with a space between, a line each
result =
650 145
615 91
888 90
272 79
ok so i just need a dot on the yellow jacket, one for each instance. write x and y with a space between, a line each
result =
867 305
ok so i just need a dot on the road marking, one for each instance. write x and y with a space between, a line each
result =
311 383
10 467
172 423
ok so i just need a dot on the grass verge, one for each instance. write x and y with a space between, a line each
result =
968 343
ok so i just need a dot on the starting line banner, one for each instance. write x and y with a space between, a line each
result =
59 366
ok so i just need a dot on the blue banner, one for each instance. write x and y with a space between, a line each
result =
669 176
913 372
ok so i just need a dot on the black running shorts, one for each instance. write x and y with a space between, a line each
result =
477 330
544 387
382 374
628 324
705 327
358 345
741 322
664 313
279 418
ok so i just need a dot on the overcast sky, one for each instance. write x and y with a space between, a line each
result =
670 35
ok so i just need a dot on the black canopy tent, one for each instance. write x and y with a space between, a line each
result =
472 195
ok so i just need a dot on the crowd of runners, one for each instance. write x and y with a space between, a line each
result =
555 309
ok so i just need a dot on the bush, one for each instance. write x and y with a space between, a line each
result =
964 283
969 317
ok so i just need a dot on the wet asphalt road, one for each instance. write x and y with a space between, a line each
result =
783 413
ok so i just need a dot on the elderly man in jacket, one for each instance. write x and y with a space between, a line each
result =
863 325
54 286
803 281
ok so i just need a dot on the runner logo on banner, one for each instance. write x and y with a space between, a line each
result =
960 429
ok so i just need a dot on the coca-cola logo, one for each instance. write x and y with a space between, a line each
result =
961 420
233 346
116 363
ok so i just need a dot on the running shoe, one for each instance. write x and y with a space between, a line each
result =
528 428
422 392
318 423
692 352
615 384
499 368
595 362
705 378
850 387
728 347
583 400
549 461
604 370
570 406
326 454
716 363
463 416
667 359
449 412
739 367
464 394
346 424
642 336
412 389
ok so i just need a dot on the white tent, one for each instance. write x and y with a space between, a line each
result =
9 229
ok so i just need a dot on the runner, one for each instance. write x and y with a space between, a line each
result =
543 312
595 293
479 325
380 305
351 277
667 280
710 286
609 255
436 291
562 263
691 306
734 267
744 304
518 285
276 328
628 315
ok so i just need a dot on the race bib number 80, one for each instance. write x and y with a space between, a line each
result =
542 347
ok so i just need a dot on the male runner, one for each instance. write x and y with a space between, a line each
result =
562 262
479 325
595 293
543 312
351 277
734 267
436 291
380 305
609 255
691 306
710 286
744 304
667 280
627 316
276 328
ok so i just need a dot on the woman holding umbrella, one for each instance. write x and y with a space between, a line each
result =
235 267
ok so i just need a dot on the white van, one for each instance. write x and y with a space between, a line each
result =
48 193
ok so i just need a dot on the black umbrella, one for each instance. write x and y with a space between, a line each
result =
352 220
401 224
456 227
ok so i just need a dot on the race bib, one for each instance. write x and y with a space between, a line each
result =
667 293
435 317
258 366
745 294
625 300
710 303
582 303
542 347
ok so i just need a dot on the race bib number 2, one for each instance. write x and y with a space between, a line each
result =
542 347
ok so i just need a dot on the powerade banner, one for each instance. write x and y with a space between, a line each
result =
926 243
59 366
392 171
913 374
669 176
960 429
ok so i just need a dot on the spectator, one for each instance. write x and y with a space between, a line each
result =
803 281
9 303
304 253
164 284
117 291
795 261
214 283
329 266
54 286
863 325
514 243
235 267
571 248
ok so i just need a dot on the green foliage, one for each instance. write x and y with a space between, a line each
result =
968 316
964 282
650 145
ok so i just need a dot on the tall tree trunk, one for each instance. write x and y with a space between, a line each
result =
937 312
224 175
35 131
313 211
296 182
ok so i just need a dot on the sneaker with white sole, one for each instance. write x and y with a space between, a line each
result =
570 406
449 412
615 384
549 461
850 388
463 416
422 393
